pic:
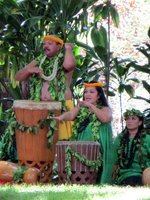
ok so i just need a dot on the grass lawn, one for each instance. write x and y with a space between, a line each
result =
72 192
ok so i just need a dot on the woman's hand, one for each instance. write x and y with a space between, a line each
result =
85 104
58 118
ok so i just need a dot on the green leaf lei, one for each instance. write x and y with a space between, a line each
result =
94 121
93 164
132 112
57 86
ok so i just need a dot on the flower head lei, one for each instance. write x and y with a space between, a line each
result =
132 112
93 84
53 38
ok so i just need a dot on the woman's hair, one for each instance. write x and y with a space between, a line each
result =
102 99
142 125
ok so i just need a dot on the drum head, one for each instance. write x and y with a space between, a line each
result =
32 105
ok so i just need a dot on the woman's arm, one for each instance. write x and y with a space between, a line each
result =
68 116
104 114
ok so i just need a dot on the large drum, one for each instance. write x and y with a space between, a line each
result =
81 173
32 148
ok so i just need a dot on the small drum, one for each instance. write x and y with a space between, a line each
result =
81 174
32 148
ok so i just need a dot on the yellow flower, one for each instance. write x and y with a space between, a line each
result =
53 38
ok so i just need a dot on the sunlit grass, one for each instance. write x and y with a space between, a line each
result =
72 192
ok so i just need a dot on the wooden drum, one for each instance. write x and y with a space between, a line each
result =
81 173
32 148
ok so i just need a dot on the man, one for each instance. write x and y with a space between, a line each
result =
52 76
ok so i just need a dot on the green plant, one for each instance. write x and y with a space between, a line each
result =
144 49
122 79
147 119
18 174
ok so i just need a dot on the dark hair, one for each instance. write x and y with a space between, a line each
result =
142 125
102 99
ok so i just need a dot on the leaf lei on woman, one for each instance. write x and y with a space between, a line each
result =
57 85
93 120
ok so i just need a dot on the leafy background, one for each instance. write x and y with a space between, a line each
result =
108 37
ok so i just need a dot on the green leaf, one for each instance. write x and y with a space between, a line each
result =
144 68
49 133
35 130
101 52
31 21
114 15
129 89
133 79
105 11
98 12
142 98
146 86
52 123
99 37
121 88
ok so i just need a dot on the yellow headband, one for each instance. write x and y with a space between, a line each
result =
53 38
93 84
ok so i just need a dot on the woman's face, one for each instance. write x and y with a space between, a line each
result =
91 95
50 48
133 122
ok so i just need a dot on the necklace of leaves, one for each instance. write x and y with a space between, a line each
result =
54 73
84 117
126 155
69 152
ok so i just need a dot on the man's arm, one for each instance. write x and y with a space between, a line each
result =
27 71
69 59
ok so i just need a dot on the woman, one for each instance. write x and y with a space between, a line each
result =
131 151
92 123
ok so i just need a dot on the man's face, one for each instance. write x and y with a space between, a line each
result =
50 48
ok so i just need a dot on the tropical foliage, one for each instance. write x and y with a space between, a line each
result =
23 23
85 23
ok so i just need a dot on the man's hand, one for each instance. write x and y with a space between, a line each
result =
33 69
68 46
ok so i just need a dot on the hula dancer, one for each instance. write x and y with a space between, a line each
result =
92 123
